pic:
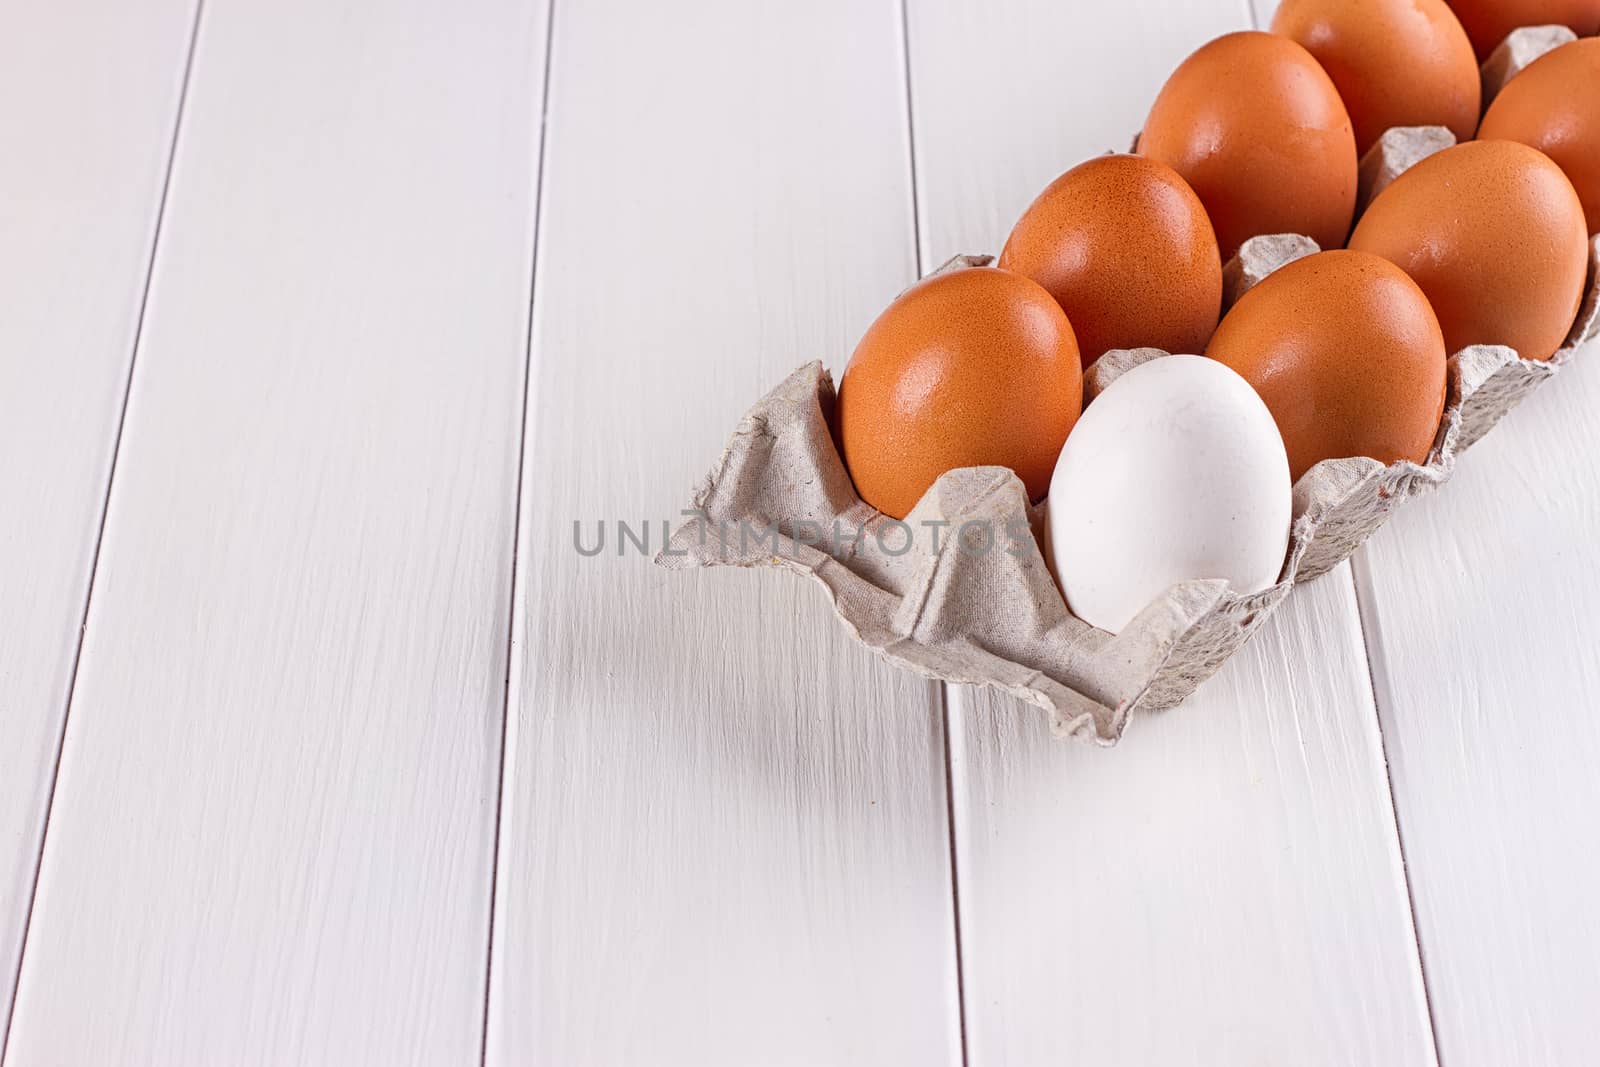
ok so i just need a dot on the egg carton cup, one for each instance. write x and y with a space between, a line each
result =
960 591
1519 49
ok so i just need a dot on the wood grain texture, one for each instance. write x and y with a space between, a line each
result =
1225 887
89 94
271 840
1481 606
723 835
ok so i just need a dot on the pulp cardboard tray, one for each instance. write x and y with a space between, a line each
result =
960 592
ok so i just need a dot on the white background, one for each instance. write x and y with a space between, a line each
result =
321 323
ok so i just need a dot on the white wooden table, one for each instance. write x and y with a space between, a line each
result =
323 322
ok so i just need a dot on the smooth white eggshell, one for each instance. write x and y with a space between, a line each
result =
1175 472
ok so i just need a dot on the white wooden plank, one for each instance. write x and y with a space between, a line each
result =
1481 603
271 839
723 833
1222 888
88 97
1226 887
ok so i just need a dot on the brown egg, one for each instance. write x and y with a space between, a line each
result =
1489 21
1346 353
1554 106
971 368
1394 62
1494 234
1125 247
1257 129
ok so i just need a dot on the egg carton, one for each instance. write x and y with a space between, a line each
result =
1519 49
960 592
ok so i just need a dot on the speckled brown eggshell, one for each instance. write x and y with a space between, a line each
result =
1347 354
1494 234
1554 106
975 367
1489 21
1394 62
1257 129
1125 247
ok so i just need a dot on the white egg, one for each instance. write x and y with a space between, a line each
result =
1175 472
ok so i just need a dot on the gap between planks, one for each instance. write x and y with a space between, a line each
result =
1377 668
947 716
100 531
514 579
